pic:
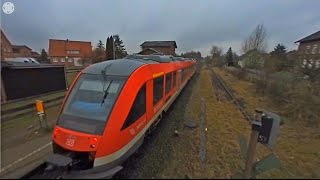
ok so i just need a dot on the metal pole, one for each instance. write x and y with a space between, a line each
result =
255 129
114 52
251 152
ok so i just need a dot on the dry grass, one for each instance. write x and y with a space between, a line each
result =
225 124
298 146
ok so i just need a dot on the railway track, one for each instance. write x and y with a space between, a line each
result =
224 91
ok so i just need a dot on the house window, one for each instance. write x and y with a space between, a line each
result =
70 59
55 59
157 89
307 49
73 52
63 60
314 49
138 108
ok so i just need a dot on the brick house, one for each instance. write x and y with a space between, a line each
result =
158 47
309 50
9 50
35 55
6 47
21 51
69 53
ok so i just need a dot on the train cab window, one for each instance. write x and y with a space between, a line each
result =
174 79
90 102
157 89
138 108
168 82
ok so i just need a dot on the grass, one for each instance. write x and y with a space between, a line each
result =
71 77
17 130
225 125
27 120
297 146
32 100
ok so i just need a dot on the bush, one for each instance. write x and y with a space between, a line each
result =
298 98
304 102
279 85
261 83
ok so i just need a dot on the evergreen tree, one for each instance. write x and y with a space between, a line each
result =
100 45
229 57
278 60
115 48
98 54
109 48
120 51
44 56
280 49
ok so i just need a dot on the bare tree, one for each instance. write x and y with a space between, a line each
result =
215 51
257 40
216 58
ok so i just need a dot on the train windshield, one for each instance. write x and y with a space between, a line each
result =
90 103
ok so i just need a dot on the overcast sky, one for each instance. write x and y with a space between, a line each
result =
193 24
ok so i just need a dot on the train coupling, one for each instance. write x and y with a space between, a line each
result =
58 160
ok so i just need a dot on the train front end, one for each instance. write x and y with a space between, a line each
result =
81 124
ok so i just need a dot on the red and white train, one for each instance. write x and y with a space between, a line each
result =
110 107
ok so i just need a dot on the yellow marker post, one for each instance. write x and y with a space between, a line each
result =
40 106
41 112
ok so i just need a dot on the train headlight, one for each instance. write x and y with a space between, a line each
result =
93 142
56 132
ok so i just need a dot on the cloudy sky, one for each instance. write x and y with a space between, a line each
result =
193 24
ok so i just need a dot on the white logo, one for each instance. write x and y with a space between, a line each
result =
70 142
8 7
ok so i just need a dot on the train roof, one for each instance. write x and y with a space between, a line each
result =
125 67
119 67
156 58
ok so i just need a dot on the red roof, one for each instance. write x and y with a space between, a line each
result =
59 48
20 46
4 37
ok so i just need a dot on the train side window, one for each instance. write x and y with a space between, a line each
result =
157 89
138 108
174 79
168 82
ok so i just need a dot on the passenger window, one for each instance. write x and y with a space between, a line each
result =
157 89
168 82
174 79
137 109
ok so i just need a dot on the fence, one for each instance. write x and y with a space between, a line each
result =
28 106
25 80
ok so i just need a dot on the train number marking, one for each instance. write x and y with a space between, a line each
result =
70 142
